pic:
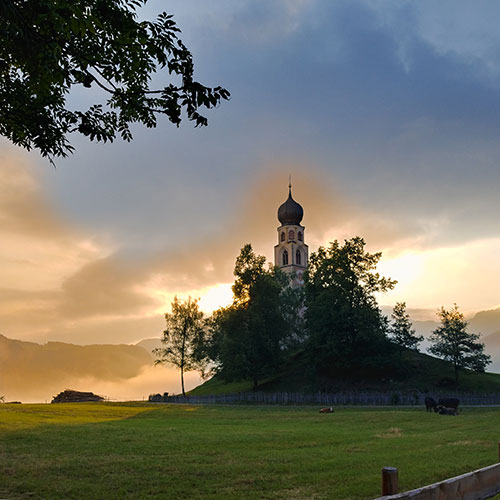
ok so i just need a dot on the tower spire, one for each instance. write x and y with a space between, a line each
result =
289 183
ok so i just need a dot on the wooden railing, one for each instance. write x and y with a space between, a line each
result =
476 485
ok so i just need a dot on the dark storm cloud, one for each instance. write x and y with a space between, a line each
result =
371 93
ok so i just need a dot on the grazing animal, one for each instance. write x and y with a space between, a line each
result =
449 402
442 410
430 403
326 410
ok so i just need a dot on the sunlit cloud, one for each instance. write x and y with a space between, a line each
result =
467 274
60 284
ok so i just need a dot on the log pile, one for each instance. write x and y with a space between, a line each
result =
69 396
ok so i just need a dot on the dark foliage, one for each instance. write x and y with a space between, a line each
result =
184 338
49 46
452 342
345 325
401 331
248 336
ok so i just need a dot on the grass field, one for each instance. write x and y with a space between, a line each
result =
117 451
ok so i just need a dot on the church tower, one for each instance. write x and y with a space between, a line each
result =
291 253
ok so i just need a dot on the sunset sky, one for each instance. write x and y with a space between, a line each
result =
385 113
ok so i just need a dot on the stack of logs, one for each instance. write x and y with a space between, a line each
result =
69 396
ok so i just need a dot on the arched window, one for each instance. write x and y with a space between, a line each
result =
285 258
291 234
299 235
298 258
283 236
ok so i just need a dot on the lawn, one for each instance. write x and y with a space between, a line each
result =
117 451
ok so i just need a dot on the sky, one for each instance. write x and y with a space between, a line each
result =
385 113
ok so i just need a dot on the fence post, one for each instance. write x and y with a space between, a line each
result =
499 451
389 481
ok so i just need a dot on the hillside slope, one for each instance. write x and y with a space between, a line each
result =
419 372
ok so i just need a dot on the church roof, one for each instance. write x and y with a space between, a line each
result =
290 212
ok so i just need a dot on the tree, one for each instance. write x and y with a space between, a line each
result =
183 338
452 342
47 47
247 337
344 323
401 331
247 269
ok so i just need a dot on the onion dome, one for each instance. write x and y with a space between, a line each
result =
290 212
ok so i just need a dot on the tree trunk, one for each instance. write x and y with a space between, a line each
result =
255 384
183 356
182 381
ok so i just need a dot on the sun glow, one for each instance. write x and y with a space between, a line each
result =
210 297
465 274
406 268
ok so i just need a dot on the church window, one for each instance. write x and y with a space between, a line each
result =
298 258
285 258
291 234
299 235
283 236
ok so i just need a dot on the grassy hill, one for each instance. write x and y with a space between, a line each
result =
418 371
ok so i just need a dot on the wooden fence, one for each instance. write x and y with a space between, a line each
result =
476 485
388 398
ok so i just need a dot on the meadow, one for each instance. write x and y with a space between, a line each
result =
142 450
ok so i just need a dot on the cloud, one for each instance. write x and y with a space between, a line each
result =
105 287
466 274
78 290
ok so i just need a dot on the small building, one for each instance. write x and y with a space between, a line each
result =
291 254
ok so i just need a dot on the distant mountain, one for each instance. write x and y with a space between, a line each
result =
149 344
485 322
28 368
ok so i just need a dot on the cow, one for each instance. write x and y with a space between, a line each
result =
449 403
442 410
430 404
326 410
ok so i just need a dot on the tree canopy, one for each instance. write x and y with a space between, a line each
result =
183 338
401 330
452 342
247 337
47 47
344 322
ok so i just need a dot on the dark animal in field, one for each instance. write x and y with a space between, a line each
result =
326 410
442 410
430 403
449 402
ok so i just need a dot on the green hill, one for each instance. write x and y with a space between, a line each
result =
417 371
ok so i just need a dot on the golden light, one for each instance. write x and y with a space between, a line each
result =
406 268
210 297
466 274
216 297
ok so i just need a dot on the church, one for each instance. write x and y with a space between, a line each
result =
291 253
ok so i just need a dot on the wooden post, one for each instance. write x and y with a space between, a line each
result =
389 481
499 451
